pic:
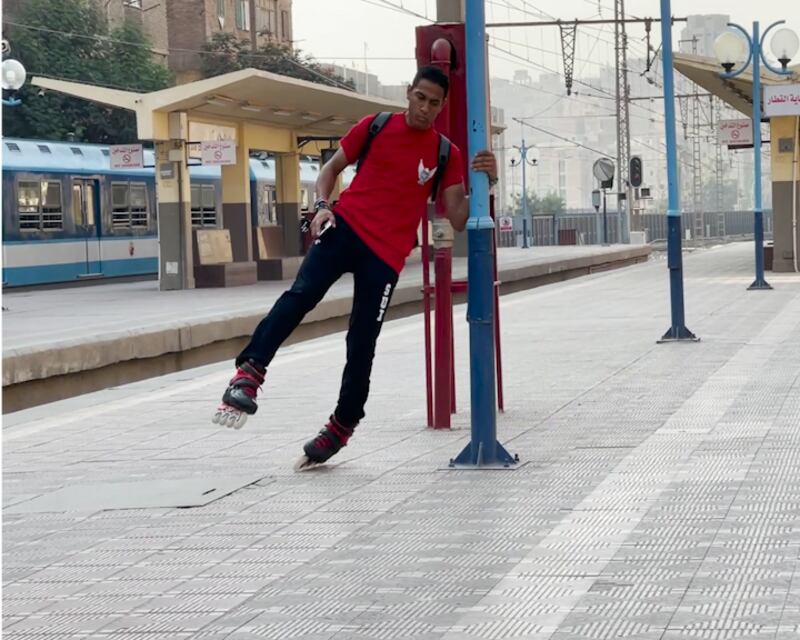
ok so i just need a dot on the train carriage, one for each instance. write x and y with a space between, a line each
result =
68 217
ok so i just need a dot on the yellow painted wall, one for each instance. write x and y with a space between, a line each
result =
783 127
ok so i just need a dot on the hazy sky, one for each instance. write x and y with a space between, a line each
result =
339 31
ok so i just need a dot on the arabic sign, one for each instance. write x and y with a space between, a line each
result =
217 152
782 100
126 156
735 132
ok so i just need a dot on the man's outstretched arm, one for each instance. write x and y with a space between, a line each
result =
456 201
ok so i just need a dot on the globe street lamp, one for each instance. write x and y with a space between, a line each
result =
735 54
13 77
523 160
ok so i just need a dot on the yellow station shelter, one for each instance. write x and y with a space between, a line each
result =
784 151
257 111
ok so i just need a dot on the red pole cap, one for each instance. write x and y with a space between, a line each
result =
441 53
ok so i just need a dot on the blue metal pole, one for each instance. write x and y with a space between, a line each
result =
483 449
758 211
678 330
524 155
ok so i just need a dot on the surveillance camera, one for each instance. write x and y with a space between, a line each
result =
40 93
4 46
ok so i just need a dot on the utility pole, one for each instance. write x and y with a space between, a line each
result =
716 115
251 5
449 10
697 165
623 112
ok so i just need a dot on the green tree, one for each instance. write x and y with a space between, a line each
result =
224 53
70 40
551 203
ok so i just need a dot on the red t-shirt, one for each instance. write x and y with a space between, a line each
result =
388 197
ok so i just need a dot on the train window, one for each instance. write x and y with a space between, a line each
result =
129 205
204 206
12 146
44 148
105 152
138 205
76 151
39 206
77 204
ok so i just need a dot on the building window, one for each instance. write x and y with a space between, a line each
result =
262 16
39 206
285 25
129 205
243 15
204 206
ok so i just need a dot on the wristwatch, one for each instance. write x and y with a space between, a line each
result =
321 203
493 181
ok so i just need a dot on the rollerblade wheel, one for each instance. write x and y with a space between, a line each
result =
304 463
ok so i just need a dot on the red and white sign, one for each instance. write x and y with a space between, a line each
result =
218 152
735 132
126 156
506 223
782 100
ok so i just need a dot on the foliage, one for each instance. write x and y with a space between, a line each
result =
551 203
70 40
224 53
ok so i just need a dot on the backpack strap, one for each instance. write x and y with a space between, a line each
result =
378 123
443 158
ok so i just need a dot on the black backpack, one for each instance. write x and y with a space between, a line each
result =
379 121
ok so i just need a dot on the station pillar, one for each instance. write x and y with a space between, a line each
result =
236 202
785 158
173 198
287 183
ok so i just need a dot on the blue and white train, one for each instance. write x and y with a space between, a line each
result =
67 216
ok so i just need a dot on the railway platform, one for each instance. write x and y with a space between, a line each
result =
656 496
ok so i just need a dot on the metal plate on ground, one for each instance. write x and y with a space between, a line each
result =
148 494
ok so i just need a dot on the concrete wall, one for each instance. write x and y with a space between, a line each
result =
782 184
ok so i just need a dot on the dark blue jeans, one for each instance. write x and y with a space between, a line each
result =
339 250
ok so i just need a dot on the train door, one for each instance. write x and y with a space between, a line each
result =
88 223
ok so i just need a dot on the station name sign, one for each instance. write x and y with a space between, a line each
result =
782 100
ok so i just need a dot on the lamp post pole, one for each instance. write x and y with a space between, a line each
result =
483 450
726 50
677 331
523 153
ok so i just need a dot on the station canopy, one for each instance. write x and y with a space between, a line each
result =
250 94
738 91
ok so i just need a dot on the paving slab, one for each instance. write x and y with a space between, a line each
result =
658 499
47 333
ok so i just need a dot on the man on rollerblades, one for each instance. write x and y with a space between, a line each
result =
402 162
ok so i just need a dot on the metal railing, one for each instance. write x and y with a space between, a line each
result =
586 227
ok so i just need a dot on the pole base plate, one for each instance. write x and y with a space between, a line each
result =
466 459
678 334
760 285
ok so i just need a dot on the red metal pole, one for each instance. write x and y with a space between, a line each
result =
426 296
497 350
441 56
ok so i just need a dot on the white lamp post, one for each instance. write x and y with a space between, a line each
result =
13 77
733 51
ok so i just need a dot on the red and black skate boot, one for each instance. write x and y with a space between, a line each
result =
239 399
327 443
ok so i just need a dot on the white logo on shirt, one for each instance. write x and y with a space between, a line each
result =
424 174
